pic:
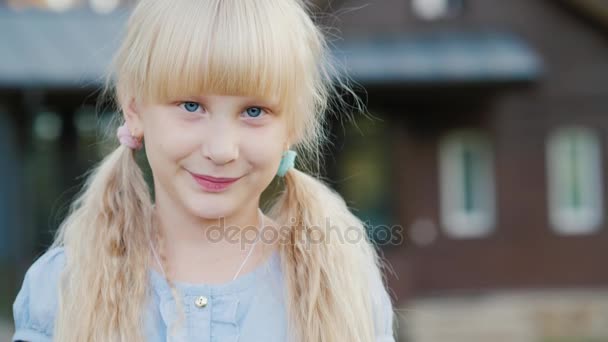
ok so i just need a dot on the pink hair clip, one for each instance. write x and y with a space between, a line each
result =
126 138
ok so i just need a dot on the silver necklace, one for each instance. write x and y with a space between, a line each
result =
261 218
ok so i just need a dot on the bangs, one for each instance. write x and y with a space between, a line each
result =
270 50
224 47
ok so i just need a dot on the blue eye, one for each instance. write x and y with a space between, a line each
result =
191 106
254 111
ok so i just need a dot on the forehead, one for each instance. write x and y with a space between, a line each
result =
267 49
220 51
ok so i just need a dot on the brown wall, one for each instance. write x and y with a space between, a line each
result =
523 251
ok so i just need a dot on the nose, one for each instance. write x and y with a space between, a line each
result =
221 143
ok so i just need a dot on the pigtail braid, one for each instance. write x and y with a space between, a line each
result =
328 263
105 239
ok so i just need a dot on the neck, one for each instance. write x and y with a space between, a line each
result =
194 239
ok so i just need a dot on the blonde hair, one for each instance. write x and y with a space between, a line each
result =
266 48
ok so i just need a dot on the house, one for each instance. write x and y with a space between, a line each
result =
488 163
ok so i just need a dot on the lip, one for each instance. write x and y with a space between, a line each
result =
213 184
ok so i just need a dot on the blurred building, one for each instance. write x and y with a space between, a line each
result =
51 67
482 179
99 6
491 159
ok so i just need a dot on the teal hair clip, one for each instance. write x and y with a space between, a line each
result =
287 162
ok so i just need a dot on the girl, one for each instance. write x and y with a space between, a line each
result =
225 92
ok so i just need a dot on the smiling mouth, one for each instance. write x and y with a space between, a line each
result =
214 184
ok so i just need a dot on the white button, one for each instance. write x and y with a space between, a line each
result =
201 301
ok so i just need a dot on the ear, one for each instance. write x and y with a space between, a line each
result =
133 117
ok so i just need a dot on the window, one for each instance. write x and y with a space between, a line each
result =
47 126
364 177
466 184
574 180
436 9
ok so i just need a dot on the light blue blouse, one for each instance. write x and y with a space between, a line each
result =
249 308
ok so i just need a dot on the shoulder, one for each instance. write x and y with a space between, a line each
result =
35 306
383 309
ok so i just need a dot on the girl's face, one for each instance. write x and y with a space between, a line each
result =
216 136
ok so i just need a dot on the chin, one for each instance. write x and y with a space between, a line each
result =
210 209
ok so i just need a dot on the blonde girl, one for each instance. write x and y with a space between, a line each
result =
223 95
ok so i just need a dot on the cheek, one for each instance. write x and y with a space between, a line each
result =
171 140
263 148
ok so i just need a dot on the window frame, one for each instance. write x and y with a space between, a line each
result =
589 188
454 221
